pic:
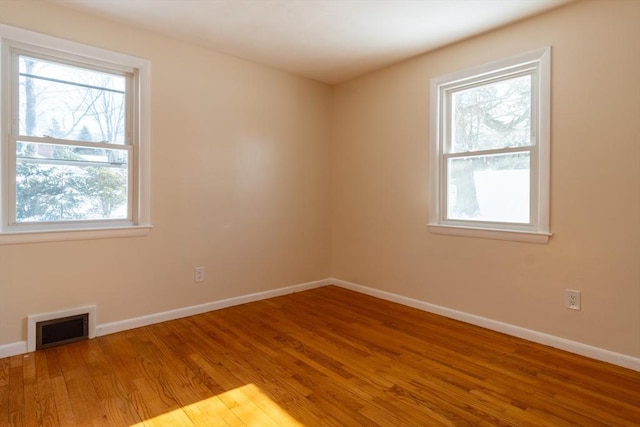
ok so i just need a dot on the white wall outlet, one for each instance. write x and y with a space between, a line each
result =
572 299
198 275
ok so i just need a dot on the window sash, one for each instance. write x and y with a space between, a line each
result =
446 104
130 145
446 144
12 178
533 189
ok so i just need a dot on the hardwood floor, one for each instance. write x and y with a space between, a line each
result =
325 357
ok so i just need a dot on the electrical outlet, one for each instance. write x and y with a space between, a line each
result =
198 275
572 299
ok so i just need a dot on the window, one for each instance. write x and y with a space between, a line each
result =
490 150
74 140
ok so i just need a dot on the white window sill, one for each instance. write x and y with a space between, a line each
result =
39 236
492 233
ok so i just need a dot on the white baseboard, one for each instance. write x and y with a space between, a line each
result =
619 359
20 347
13 349
137 322
517 331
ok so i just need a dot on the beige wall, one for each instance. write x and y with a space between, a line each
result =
246 182
380 184
239 185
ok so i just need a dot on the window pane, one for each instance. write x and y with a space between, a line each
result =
489 188
67 183
491 116
67 102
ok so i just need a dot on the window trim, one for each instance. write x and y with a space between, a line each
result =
538 231
140 224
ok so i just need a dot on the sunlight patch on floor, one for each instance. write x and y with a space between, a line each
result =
242 406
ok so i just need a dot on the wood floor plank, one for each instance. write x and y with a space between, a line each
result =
63 408
110 393
4 391
15 404
39 398
32 400
5 364
80 388
324 357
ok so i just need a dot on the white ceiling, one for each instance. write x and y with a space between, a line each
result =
326 40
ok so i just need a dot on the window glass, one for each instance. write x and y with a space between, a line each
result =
489 188
68 183
68 102
493 115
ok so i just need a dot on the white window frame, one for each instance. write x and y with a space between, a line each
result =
139 219
537 231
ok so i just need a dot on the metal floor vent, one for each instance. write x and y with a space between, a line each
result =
63 330
60 327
